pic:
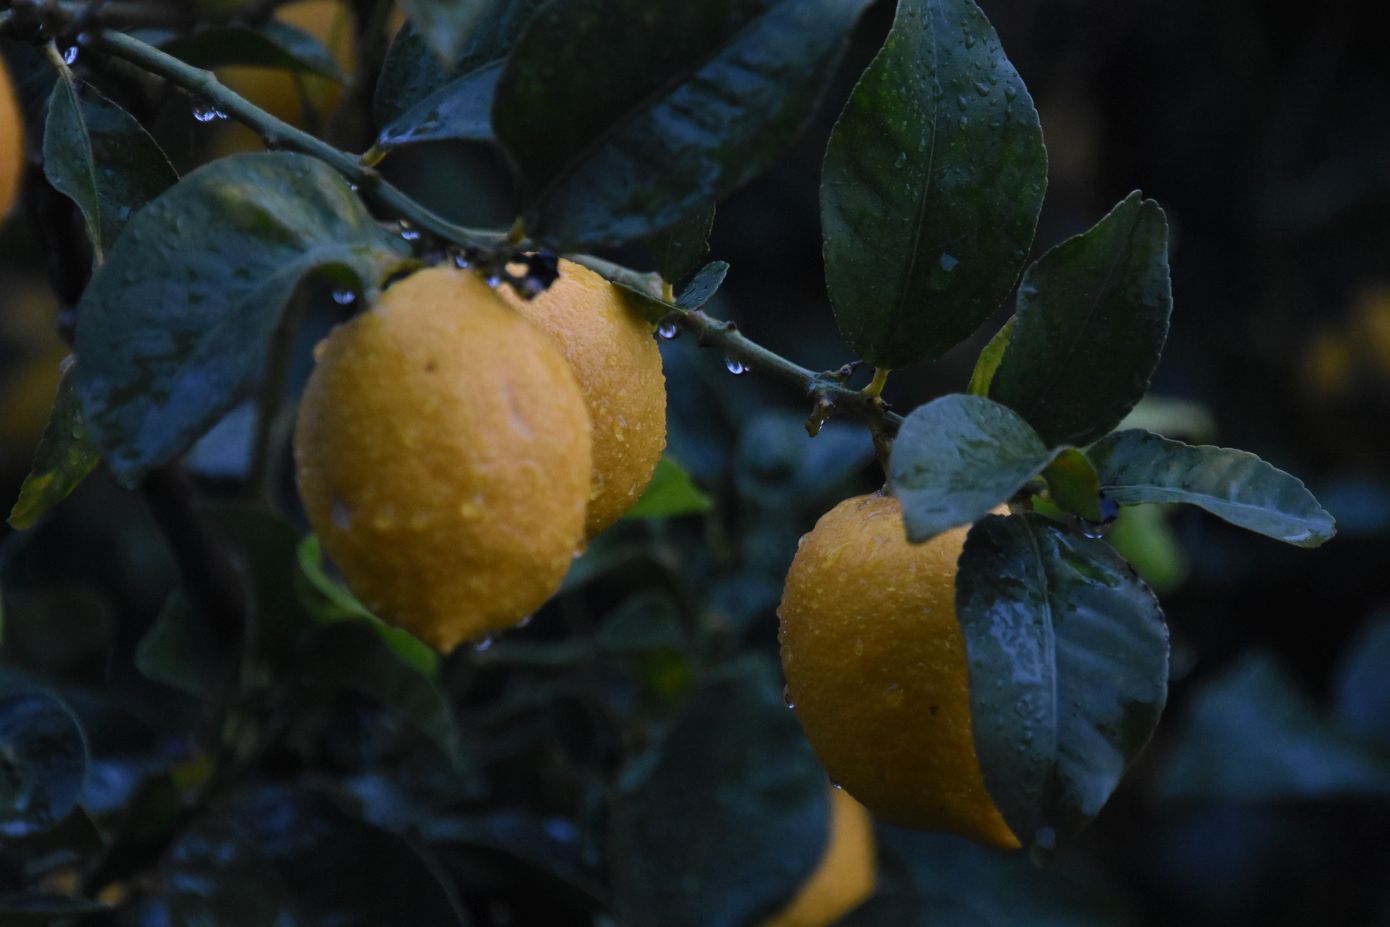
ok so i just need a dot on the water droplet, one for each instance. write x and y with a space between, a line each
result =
354 187
482 644
525 621
409 232
70 55
835 785
737 367
982 88
461 262
206 112
344 297
1010 92
668 330
787 697
1094 530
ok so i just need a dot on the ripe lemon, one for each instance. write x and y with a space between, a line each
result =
11 143
875 663
844 877
613 353
443 457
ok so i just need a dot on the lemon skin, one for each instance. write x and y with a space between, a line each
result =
442 451
11 143
875 662
615 358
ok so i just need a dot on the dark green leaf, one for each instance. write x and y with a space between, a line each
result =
175 325
1363 686
987 364
1251 735
329 600
703 286
933 179
1073 484
458 111
1091 321
956 458
43 756
445 24
1237 486
670 493
64 457
351 655
274 45
412 72
682 248
180 651
1068 659
720 825
691 101
99 156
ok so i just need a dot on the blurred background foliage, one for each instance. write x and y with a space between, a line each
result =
625 758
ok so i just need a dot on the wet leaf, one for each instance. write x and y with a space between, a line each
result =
175 325
99 156
933 179
692 101
458 111
1236 486
1091 321
1068 656
682 248
959 456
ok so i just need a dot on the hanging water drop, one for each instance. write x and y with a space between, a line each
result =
669 331
461 262
737 367
525 621
787 697
205 112
482 644
409 232
344 297
70 55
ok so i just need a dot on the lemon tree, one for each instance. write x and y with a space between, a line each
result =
352 410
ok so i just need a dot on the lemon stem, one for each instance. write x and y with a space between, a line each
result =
875 388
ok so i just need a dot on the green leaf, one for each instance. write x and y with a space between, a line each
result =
352 655
44 758
956 458
459 111
1251 735
329 601
63 458
98 155
1091 321
1237 486
702 286
274 45
445 24
1074 485
180 651
1144 536
691 101
682 248
411 71
670 493
933 179
175 325
987 364
1068 659
725 819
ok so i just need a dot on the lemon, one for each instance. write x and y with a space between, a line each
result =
875 663
844 877
614 355
11 143
443 458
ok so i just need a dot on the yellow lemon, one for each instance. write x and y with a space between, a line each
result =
614 355
444 459
844 878
875 663
11 143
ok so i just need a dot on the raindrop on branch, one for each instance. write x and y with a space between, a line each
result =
737 367
668 331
